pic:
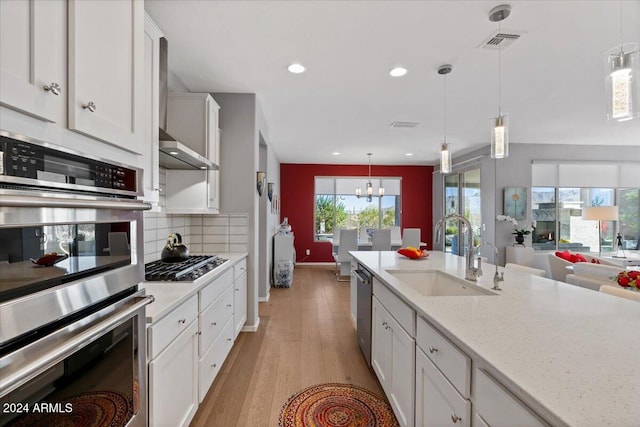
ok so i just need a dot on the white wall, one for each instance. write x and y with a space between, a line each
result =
515 171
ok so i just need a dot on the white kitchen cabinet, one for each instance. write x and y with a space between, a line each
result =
106 71
211 361
151 175
393 361
497 407
33 58
193 119
437 401
173 367
239 296
353 290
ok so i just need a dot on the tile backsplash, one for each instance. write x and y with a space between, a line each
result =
202 234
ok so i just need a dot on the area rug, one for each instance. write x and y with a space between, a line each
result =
94 409
336 405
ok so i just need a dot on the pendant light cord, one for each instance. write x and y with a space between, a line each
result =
445 108
499 75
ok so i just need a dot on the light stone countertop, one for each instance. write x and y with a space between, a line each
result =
571 354
169 295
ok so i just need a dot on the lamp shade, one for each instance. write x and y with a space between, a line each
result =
600 213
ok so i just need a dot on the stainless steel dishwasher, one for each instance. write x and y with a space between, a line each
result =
363 319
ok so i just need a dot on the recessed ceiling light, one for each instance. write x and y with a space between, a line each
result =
173 153
398 72
409 154
335 153
296 68
203 167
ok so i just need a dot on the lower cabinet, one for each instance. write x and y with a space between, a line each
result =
173 367
393 361
239 296
212 360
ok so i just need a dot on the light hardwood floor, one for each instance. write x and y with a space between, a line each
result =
306 336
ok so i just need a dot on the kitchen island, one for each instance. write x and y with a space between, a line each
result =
569 354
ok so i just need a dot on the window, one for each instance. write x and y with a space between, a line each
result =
336 205
462 195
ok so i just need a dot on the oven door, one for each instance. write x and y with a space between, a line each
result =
90 372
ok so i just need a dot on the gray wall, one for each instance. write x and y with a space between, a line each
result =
515 171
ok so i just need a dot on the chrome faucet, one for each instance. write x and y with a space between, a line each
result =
471 272
497 278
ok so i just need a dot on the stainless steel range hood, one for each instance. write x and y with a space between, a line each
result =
173 153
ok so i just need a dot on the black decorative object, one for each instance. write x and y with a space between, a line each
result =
270 187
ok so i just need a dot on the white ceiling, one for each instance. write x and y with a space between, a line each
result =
552 78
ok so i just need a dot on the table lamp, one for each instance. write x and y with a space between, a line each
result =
600 213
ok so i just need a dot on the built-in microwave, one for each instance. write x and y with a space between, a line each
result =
26 162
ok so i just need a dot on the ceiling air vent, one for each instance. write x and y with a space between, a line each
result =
501 39
403 124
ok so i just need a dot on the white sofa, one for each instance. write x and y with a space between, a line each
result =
592 276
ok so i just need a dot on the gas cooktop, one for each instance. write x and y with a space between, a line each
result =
185 271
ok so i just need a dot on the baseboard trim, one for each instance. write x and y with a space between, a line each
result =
251 328
265 299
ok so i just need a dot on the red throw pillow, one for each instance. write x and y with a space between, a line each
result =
577 258
565 255
595 261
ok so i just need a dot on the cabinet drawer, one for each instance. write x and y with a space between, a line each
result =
162 332
404 314
211 362
212 291
239 269
497 406
437 402
454 364
214 318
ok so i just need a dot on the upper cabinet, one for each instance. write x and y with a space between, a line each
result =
192 118
78 64
106 46
151 176
33 58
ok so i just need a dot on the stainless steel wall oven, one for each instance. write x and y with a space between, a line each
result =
72 319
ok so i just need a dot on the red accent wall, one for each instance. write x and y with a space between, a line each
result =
297 201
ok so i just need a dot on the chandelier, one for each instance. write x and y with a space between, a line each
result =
369 187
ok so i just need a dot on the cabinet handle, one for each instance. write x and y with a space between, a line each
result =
229 339
182 320
54 88
455 418
199 333
228 305
214 365
213 323
432 349
237 289
384 323
90 106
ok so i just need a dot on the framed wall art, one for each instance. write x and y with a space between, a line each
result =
515 202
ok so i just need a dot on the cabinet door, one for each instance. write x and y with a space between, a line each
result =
240 303
380 344
213 153
151 174
437 402
33 56
106 54
173 381
402 370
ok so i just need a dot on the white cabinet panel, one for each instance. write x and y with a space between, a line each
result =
239 303
437 402
173 381
106 45
33 55
212 361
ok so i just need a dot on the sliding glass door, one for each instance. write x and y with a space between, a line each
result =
462 196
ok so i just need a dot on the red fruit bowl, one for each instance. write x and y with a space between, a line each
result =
47 260
412 254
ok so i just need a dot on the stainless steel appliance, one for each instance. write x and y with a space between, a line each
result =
185 271
363 311
72 340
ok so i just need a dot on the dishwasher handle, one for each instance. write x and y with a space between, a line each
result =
363 277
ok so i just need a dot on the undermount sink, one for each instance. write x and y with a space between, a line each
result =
437 283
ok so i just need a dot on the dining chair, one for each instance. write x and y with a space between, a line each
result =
348 242
411 237
381 240
364 236
395 233
624 293
558 267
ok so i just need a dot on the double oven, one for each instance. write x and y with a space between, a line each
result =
72 317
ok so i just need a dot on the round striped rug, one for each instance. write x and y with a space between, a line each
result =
336 405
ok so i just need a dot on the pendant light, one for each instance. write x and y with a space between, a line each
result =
369 186
445 154
621 81
499 124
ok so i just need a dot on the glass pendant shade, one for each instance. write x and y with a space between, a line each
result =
445 159
380 192
499 137
621 82
358 192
